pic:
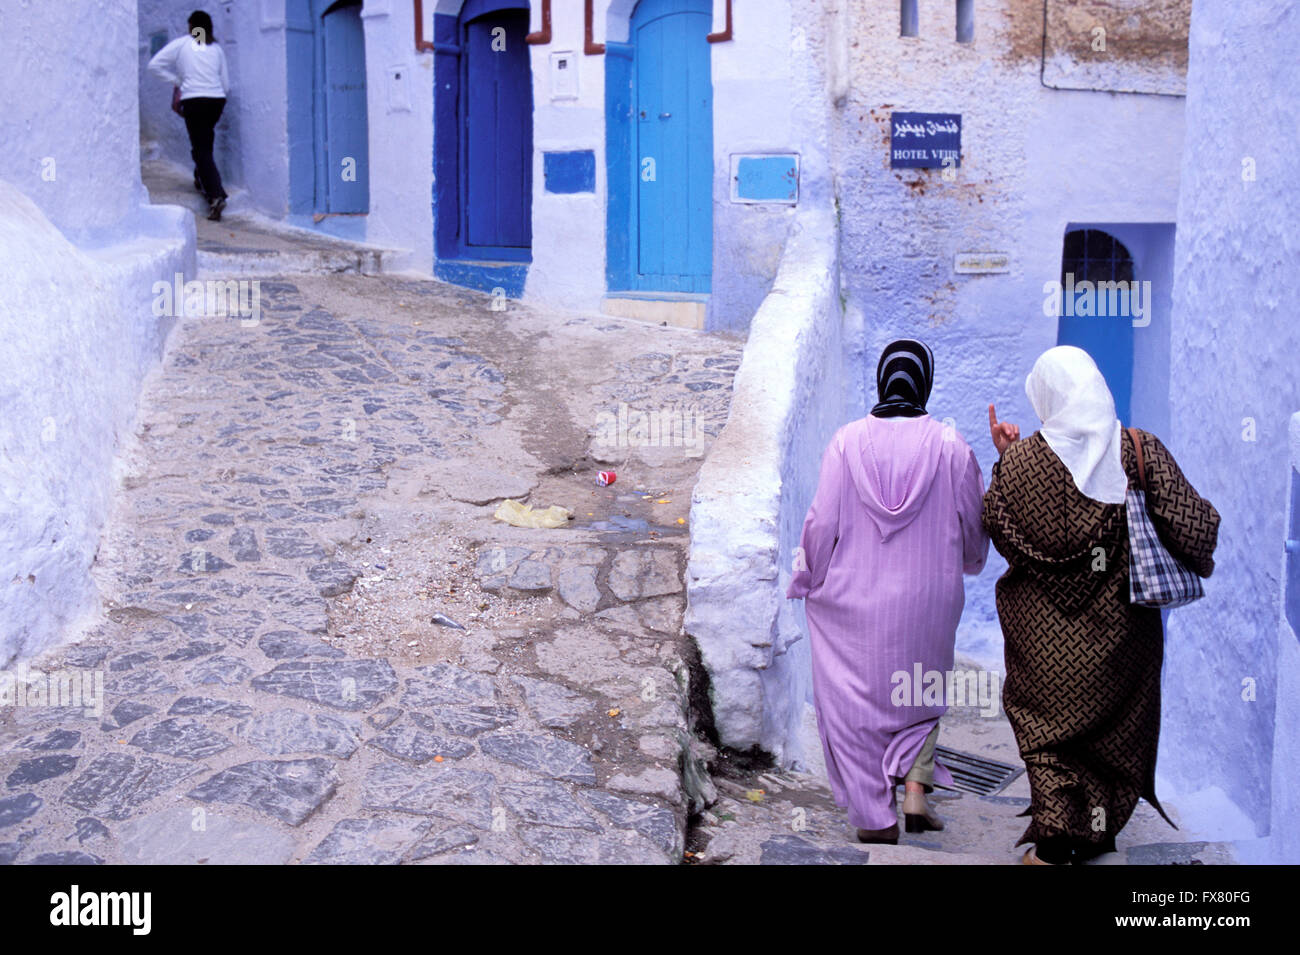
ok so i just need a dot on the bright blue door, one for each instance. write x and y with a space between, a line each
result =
1102 319
343 167
673 119
497 138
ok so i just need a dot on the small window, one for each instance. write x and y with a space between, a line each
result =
965 21
157 41
908 18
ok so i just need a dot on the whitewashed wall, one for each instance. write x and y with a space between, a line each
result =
796 385
1232 758
399 86
790 394
568 268
79 253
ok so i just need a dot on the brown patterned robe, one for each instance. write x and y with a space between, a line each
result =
1082 688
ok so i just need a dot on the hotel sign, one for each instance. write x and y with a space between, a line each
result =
924 140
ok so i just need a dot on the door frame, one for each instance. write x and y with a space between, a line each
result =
304 60
622 165
1124 399
324 175
449 141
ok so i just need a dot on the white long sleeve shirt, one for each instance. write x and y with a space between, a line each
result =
199 69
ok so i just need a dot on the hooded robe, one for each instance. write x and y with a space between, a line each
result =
894 524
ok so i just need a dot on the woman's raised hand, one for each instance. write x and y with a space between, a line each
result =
1004 433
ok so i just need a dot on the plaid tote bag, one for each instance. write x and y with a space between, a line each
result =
1156 578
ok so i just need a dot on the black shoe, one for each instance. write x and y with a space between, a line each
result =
215 207
887 837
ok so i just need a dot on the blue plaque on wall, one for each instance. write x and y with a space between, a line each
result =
570 172
924 140
765 178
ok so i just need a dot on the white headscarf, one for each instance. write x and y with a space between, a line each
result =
1070 395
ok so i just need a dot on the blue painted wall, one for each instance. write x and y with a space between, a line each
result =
1233 391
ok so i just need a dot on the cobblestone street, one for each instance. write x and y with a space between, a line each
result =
319 644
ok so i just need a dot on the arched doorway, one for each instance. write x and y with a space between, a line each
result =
329 137
483 137
659 107
1096 279
497 129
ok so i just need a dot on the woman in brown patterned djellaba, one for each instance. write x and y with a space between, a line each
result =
1082 688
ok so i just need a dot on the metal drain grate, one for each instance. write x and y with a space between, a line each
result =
975 774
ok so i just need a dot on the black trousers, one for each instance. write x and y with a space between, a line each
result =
201 115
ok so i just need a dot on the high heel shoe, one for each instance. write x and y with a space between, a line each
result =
917 815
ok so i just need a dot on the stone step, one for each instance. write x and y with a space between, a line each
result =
680 310
288 261
782 818
245 243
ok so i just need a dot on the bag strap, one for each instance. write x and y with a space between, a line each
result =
1137 449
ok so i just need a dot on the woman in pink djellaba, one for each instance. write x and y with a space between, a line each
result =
894 525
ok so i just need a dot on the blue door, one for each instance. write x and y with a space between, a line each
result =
342 148
672 115
497 131
1102 320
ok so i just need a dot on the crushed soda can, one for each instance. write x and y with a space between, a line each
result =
606 478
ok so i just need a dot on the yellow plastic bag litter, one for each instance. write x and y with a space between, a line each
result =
523 515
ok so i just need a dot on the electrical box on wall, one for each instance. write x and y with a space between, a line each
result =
399 89
224 24
564 75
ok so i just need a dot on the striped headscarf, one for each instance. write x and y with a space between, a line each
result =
904 378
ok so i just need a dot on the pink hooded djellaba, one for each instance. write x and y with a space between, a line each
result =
893 526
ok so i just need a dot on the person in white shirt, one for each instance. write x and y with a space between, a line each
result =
197 65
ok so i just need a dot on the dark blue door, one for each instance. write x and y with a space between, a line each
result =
497 137
342 148
673 119
1102 319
